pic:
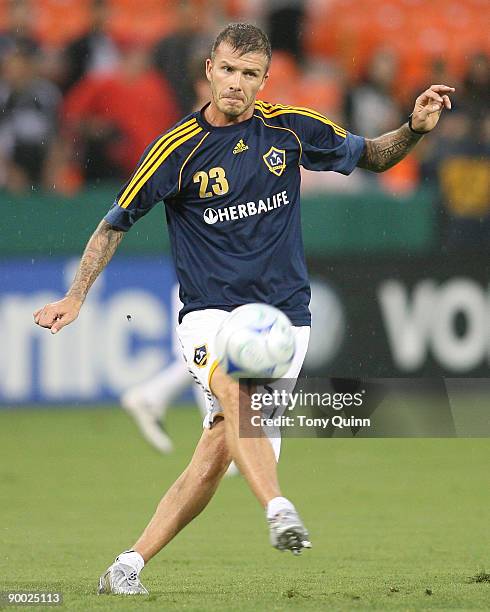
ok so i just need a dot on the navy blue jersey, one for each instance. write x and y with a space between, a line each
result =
232 199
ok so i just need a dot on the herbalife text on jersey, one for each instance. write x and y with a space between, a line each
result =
239 211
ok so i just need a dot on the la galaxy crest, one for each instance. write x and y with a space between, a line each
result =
275 160
201 355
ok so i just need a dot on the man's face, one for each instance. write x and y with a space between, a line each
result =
235 79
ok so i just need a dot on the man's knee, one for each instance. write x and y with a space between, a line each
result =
229 393
223 387
213 457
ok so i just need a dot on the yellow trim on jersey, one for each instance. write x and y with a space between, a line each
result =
213 367
190 155
164 154
267 107
281 109
157 148
276 127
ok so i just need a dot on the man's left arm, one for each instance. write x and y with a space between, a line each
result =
385 151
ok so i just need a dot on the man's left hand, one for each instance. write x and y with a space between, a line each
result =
429 106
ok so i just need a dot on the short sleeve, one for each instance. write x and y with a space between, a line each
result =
155 179
326 145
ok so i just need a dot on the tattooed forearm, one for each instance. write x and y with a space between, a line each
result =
98 252
387 150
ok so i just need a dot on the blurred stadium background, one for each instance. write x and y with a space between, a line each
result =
399 261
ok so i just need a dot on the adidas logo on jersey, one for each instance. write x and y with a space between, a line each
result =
240 147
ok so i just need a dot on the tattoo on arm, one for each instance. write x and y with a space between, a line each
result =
387 150
98 252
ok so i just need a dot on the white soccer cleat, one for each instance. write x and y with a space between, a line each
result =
143 414
287 532
121 579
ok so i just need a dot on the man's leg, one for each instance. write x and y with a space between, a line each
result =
254 456
189 494
185 499
256 460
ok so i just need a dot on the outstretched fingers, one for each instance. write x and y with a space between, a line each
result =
440 94
442 88
434 99
431 101
447 102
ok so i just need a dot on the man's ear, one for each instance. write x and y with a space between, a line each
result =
209 66
264 81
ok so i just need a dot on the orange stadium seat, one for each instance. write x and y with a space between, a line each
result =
232 7
146 20
149 20
3 15
402 178
450 29
323 93
58 21
284 75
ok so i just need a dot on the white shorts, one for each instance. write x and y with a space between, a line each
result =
197 334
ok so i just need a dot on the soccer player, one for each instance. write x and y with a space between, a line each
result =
229 177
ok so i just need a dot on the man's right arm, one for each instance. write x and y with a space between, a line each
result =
98 252
155 179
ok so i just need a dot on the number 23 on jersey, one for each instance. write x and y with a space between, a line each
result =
215 179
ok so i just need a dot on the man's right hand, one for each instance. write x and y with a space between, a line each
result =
58 314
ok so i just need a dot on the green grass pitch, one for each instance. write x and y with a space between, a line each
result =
395 524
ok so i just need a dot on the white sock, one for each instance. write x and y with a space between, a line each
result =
278 504
133 559
166 385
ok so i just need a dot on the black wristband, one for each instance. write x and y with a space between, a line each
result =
415 131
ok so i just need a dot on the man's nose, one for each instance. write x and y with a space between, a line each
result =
236 81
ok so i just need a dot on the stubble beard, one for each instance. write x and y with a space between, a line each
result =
231 111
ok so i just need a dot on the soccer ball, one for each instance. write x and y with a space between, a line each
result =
255 341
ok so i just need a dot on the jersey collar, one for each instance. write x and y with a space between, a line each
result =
227 128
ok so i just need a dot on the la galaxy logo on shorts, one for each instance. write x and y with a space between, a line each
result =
275 160
201 355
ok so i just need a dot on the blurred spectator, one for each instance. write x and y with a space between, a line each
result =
440 73
94 52
476 87
174 53
116 104
18 33
284 23
28 119
200 84
458 166
112 117
370 107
